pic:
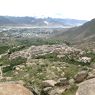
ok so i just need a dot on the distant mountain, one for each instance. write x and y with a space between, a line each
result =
86 32
72 22
10 20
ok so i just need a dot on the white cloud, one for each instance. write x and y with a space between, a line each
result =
78 9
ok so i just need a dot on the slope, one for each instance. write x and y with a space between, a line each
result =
86 32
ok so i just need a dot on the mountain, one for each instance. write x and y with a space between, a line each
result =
81 33
85 32
72 22
10 20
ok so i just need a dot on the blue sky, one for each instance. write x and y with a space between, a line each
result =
76 9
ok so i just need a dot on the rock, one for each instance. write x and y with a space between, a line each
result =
71 82
7 78
29 53
62 82
48 83
91 74
20 82
57 91
55 88
17 68
85 59
13 89
58 69
60 56
53 91
29 64
63 73
46 91
87 87
80 76
93 65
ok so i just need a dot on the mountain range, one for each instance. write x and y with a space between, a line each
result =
11 20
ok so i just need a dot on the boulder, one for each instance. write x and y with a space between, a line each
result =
62 82
53 91
46 91
57 91
85 59
87 87
48 83
13 89
80 76
71 82
92 65
91 74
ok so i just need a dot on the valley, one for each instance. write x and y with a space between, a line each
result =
43 59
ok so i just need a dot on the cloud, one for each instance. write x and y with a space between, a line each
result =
78 9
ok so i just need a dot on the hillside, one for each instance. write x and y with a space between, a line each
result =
84 34
45 69
10 20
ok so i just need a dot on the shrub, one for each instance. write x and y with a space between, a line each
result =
14 62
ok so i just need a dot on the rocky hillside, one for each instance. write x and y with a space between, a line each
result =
80 37
46 70
86 32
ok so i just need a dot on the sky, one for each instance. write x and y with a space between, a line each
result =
75 9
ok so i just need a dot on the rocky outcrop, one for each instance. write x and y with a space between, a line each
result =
81 76
45 49
87 88
53 91
13 89
51 87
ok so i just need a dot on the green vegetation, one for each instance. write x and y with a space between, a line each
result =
71 71
14 49
4 60
39 41
4 48
11 46
12 63
71 91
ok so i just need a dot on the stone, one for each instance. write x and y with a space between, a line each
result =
87 87
62 82
85 59
82 75
63 74
13 89
71 82
57 91
45 91
48 83
92 65
91 74
53 91
60 56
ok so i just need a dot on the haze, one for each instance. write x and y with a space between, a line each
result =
75 9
